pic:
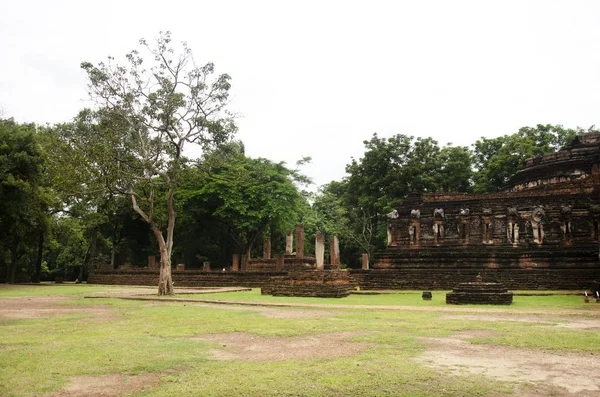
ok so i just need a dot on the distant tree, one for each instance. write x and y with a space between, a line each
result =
496 160
22 196
456 168
151 111
250 198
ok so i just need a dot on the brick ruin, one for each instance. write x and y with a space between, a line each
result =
479 293
540 232
289 274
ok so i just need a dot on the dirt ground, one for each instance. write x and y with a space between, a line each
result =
49 306
106 385
247 347
567 373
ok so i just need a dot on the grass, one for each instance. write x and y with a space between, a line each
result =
553 302
39 355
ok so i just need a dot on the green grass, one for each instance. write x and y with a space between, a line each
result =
554 302
52 289
40 355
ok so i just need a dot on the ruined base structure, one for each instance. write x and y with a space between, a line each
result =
479 293
312 283
310 278
541 232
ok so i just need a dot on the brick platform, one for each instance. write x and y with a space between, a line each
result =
312 283
479 294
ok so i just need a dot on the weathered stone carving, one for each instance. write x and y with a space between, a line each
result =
393 215
487 211
565 210
512 233
538 214
536 224
512 211
415 214
438 213
464 212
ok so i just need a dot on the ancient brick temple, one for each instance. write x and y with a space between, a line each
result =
540 232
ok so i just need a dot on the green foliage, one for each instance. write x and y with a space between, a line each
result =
497 160
24 197
245 198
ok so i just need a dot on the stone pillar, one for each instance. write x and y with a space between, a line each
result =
289 243
244 263
300 241
180 267
365 261
334 251
267 248
206 266
235 263
320 250
151 262
280 262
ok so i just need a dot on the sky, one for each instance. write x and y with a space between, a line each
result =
317 78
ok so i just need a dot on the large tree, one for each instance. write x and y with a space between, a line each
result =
151 108
23 197
250 198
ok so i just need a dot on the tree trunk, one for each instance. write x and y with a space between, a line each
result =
165 282
38 261
91 258
113 254
13 261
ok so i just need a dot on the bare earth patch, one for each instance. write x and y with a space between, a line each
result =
567 372
46 307
566 322
106 385
247 347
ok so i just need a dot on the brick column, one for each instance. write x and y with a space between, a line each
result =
320 250
206 266
235 263
334 251
267 248
365 261
300 241
280 262
289 243
244 263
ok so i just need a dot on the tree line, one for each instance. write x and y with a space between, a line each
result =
114 184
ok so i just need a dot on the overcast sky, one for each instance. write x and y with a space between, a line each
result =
316 78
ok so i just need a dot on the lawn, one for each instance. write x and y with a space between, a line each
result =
51 337
408 298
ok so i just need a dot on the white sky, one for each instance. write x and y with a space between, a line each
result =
316 78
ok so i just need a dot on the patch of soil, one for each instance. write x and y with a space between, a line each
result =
47 306
566 322
247 347
106 385
566 372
